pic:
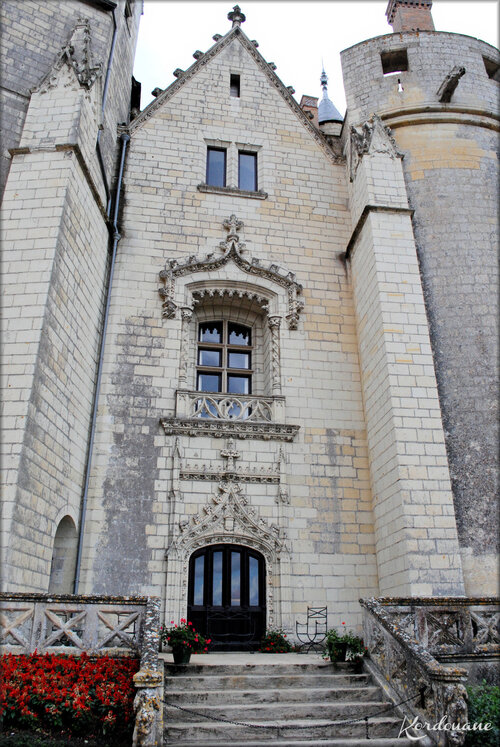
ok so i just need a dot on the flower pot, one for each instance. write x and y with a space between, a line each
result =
181 655
338 652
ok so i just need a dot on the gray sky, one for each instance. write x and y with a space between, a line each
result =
297 36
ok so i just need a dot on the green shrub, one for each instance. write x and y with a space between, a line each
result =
275 642
484 706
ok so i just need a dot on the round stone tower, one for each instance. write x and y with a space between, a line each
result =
438 93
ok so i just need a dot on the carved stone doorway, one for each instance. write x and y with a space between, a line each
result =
226 596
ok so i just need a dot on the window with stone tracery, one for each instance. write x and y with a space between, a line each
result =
224 357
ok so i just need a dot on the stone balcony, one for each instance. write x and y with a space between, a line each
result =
242 416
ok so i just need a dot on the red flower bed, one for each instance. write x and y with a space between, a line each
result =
68 694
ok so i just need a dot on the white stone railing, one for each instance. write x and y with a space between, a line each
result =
239 408
96 625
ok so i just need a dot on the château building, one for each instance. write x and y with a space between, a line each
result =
249 344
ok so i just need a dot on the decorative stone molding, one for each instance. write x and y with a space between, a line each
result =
229 518
231 472
232 252
148 729
372 137
77 54
274 323
186 316
227 428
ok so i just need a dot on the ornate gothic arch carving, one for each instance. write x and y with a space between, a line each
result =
284 282
228 518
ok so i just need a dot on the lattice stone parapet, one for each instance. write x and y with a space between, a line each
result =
71 624
244 408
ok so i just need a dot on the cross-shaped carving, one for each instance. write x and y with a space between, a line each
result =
64 628
230 454
232 226
236 16
119 630
8 627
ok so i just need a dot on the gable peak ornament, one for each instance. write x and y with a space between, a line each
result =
236 16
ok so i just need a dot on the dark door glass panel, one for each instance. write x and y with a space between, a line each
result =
237 360
210 358
233 613
237 385
239 335
210 332
216 167
235 579
217 579
253 582
199 569
247 171
208 382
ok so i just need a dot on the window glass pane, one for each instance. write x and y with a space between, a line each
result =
208 382
217 579
237 385
235 578
253 583
238 360
216 167
199 567
210 332
210 358
239 335
247 172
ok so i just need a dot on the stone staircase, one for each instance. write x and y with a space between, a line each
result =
294 701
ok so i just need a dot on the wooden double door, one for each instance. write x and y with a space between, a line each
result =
226 596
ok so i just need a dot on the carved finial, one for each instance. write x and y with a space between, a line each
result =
216 37
198 54
236 16
178 72
232 225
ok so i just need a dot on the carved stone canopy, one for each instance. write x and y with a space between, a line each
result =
77 54
232 252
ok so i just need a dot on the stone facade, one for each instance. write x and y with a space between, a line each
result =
336 468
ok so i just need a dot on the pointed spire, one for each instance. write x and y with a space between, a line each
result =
326 109
236 16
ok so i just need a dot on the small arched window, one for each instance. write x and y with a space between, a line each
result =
224 357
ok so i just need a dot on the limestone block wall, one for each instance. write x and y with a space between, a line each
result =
416 538
33 34
137 503
55 242
451 173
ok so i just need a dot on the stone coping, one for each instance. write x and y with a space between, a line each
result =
433 601
71 598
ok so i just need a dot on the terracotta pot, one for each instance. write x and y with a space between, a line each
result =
181 655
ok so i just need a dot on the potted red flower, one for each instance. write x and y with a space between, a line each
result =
184 640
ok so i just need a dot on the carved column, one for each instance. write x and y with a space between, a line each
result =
274 326
186 316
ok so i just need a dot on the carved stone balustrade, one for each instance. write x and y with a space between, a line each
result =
403 634
96 625
241 416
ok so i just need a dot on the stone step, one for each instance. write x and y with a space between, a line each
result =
273 695
342 742
321 667
200 732
275 711
247 681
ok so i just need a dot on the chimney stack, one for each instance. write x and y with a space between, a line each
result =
410 15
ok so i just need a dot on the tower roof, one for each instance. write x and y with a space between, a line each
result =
327 112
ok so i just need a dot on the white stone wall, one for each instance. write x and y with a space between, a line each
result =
302 226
